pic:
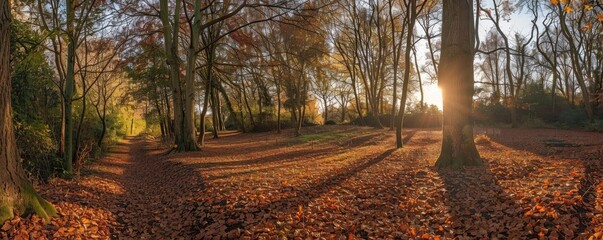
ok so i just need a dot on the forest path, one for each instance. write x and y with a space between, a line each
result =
136 191
158 193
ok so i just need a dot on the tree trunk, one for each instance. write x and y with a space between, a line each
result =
229 106
16 192
183 107
69 87
324 100
358 104
189 141
76 145
160 115
168 114
201 137
422 101
247 103
104 130
456 81
300 120
214 113
577 66
278 109
61 147
409 45
104 123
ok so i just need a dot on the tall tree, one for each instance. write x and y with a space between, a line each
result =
456 81
413 10
16 192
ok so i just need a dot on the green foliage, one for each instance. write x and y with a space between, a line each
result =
330 122
35 101
572 118
33 94
490 114
536 103
38 150
427 116
597 126
320 137
536 108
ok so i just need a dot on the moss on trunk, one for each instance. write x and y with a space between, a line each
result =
29 202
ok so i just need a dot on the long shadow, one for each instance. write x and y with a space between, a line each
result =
409 136
480 208
235 218
159 196
246 141
323 186
284 157
566 144
85 195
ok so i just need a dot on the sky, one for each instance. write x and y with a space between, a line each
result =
520 22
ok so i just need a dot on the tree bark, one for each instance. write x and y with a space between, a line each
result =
278 109
456 80
409 46
201 137
69 88
183 102
16 192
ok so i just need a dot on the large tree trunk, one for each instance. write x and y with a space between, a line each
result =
16 192
184 128
456 81
188 140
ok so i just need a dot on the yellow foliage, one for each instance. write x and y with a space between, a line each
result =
588 7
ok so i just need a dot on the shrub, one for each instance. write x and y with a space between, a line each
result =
40 162
597 126
330 122
491 113
572 118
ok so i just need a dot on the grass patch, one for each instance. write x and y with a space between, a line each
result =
320 137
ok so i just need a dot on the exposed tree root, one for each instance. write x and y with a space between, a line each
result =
31 203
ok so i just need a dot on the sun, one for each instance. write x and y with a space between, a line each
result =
433 95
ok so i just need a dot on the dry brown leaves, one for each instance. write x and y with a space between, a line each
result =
266 186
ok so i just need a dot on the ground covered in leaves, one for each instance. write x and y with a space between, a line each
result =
336 182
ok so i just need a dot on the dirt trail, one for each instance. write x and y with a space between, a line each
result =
157 192
132 193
